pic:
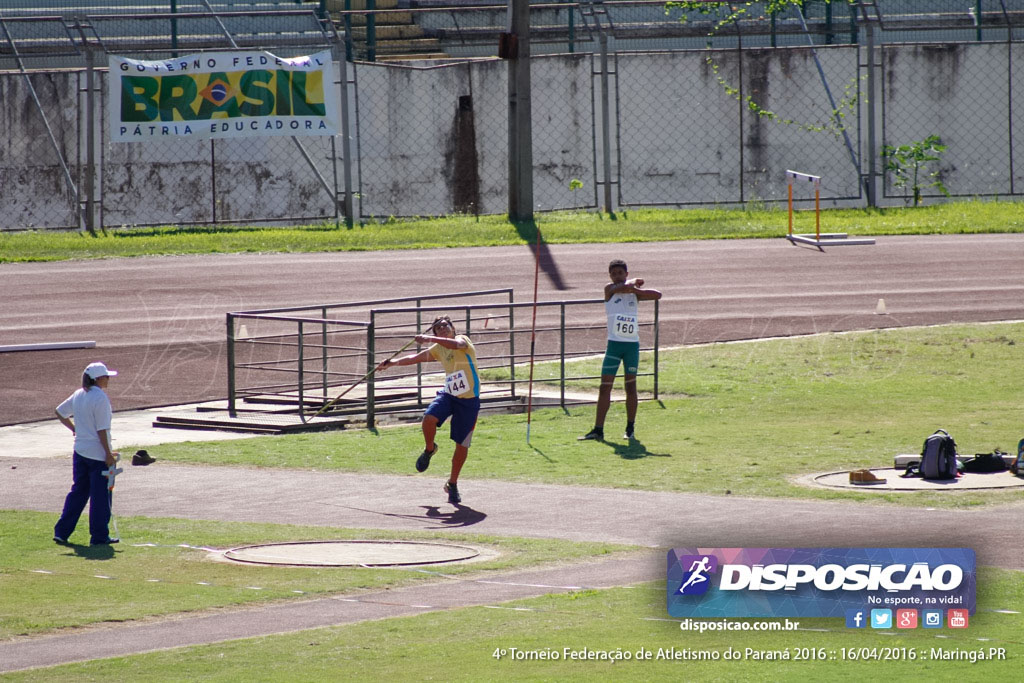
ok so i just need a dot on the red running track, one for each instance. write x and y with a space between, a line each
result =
160 320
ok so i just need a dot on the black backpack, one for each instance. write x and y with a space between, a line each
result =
938 457
983 463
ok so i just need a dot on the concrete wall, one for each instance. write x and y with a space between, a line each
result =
433 140
961 93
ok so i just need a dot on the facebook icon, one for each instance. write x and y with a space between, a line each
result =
856 618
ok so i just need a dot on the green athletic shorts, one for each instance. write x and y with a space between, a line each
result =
626 352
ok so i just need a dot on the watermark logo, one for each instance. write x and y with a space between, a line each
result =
906 618
697 580
856 618
881 618
957 618
931 618
820 582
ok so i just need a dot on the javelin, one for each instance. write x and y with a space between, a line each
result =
533 336
361 379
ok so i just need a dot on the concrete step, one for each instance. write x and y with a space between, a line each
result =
412 56
382 19
401 47
354 5
389 32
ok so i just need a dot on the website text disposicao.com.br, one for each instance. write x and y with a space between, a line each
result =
702 625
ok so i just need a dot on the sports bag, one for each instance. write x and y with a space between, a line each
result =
986 462
938 457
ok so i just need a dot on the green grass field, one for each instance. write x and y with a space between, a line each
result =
47 587
822 403
477 644
646 225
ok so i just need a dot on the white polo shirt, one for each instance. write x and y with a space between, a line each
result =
91 412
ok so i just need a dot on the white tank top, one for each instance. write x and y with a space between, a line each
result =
622 318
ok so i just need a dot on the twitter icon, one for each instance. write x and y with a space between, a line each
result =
881 618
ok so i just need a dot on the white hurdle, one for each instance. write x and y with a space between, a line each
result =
836 239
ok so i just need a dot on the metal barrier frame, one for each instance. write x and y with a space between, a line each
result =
280 315
376 329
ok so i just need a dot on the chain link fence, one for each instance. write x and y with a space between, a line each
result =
703 126
982 134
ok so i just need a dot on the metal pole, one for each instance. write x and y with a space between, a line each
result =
371 30
302 377
370 365
817 210
419 366
872 189
789 202
572 30
741 103
520 132
323 346
657 333
829 36
511 345
606 135
348 31
1009 87
174 29
533 338
334 172
90 139
231 366
213 179
561 355
346 147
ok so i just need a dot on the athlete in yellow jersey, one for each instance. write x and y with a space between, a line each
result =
459 400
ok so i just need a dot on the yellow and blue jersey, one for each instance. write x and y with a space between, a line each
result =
460 377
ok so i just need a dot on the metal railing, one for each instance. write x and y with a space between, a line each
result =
311 353
281 345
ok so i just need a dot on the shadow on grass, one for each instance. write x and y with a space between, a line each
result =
528 232
91 552
154 231
542 453
634 450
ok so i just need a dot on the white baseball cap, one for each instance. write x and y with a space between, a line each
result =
97 370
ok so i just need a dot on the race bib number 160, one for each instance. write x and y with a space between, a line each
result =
625 326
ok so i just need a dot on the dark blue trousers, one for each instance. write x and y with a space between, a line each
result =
88 485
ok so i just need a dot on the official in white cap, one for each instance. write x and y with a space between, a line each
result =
90 408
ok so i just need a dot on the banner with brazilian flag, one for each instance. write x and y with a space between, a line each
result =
222 95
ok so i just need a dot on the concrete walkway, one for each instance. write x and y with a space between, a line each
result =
50 439
416 503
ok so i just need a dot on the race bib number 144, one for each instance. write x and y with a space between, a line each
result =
456 383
